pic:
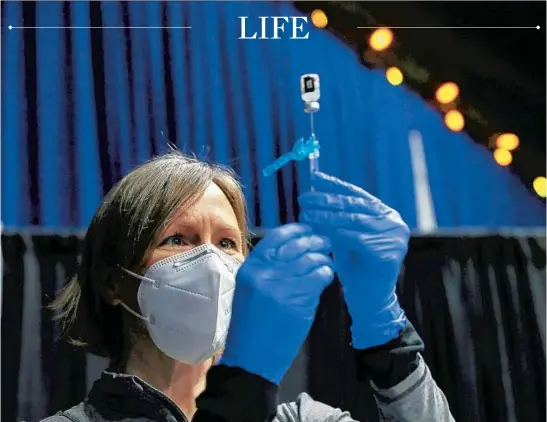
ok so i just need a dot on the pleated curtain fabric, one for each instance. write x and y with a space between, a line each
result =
478 303
40 375
82 107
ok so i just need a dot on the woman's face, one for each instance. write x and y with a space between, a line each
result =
210 219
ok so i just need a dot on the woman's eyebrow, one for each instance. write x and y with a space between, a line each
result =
222 226
229 228
218 226
176 226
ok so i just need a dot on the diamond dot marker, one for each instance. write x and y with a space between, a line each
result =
10 27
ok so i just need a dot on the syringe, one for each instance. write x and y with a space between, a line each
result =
310 93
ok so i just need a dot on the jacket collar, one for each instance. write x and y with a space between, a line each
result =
118 396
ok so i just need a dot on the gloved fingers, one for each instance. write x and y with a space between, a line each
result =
379 244
277 237
297 247
327 220
307 264
325 183
337 202
321 277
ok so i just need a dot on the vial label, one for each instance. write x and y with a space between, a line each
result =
309 84
309 87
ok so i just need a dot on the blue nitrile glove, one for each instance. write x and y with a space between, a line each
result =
370 241
277 292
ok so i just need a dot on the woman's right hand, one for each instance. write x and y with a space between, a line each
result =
277 292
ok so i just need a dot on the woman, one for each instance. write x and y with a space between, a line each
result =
154 293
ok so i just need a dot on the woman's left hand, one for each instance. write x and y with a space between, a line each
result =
370 241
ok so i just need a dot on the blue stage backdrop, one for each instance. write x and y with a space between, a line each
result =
82 107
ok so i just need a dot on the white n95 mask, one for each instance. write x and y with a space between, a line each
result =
186 301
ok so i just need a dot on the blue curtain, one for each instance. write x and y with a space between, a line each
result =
82 107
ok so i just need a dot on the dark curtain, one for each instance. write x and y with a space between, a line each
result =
479 304
39 374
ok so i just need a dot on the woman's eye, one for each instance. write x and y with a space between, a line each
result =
227 244
176 240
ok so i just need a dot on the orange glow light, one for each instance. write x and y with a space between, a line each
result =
394 76
503 157
507 141
381 39
447 93
319 18
454 120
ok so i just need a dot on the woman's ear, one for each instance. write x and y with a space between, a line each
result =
111 294
121 288
111 290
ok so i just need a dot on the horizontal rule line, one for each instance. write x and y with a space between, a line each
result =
99 27
449 27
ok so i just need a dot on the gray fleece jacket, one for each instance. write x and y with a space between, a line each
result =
126 398
415 399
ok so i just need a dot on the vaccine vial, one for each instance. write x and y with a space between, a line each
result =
309 88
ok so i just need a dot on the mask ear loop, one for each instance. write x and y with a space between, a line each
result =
132 312
127 308
140 277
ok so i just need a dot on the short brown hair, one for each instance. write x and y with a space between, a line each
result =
128 220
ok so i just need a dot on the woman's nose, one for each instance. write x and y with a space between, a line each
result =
204 239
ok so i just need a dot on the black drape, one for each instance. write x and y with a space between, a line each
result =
39 374
478 303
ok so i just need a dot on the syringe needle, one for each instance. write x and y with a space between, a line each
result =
309 86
